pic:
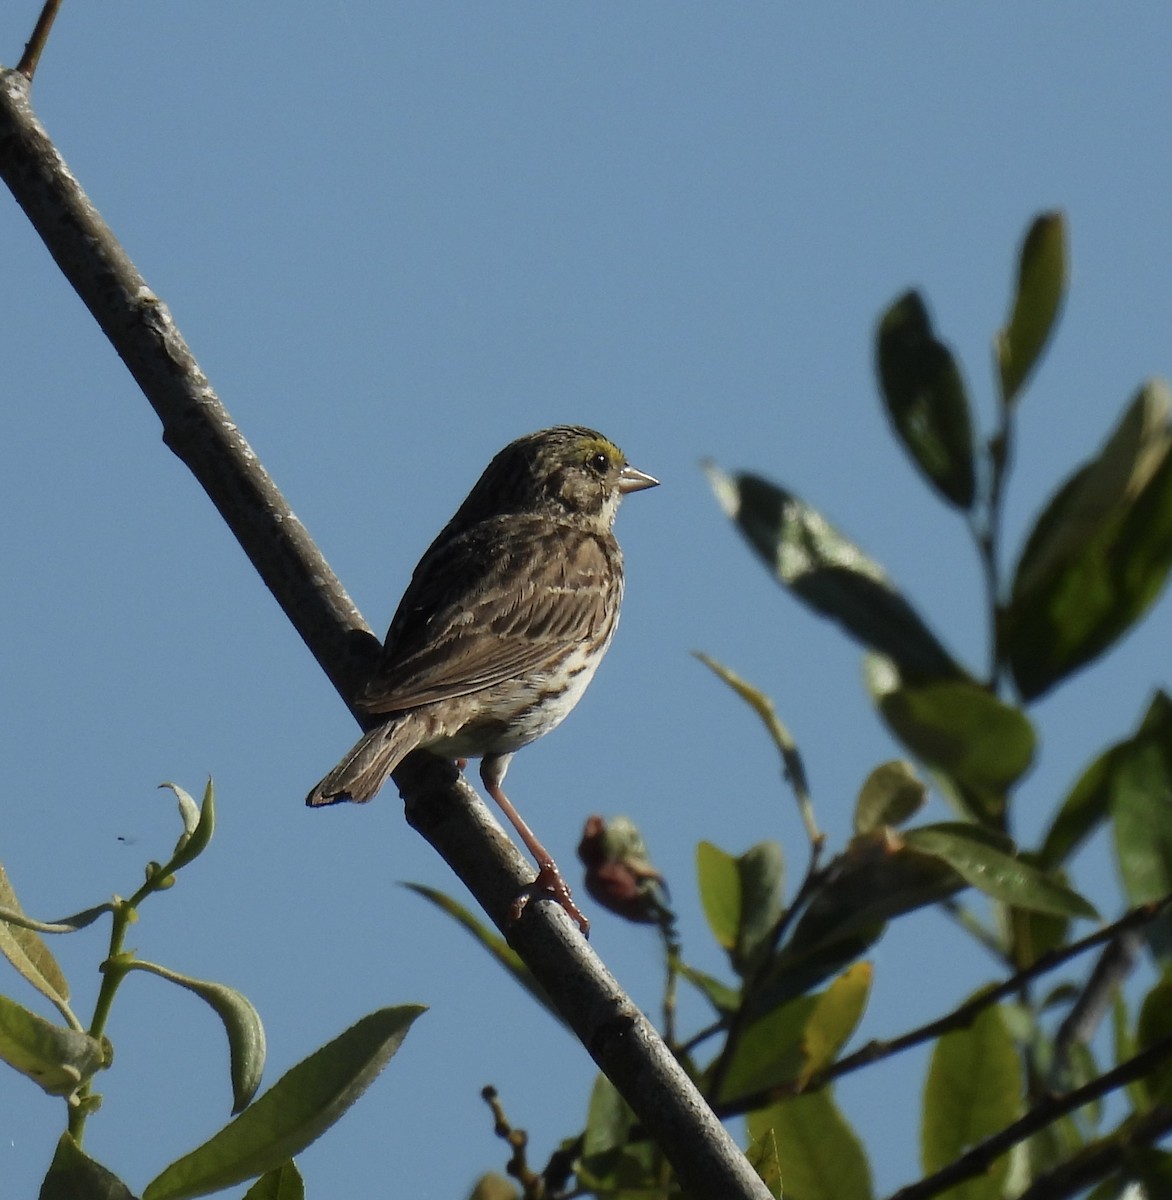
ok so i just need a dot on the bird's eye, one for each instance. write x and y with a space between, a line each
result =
600 462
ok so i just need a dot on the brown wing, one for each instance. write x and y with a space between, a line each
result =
493 604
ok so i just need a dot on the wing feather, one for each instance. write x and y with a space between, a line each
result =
496 602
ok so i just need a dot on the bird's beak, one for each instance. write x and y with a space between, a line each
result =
631 480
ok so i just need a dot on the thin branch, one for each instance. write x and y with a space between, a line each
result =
959 1018
439 803
981 1157
1104 1155
36 44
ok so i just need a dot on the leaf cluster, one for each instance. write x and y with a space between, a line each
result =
65 1059
1013 1098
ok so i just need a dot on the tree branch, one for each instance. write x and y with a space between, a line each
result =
959 1018
982 1156
440 805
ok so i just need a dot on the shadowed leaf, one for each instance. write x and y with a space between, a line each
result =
1099 554
73 1175
890 795
829 573
925 399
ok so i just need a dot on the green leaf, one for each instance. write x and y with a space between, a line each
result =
1099 554
246 1035
1141 805
829 573
834 1021
722 997
821 1157
610 1160
56 1059
973 1090
763 1158
281 1183
741 898
769 1052
1089 802
955 727
1012 880
29 954
1041 285
719 880
496 945
761 871
926 400
890 795
191 845
1155 1024
294 1112
73 1175
797 1038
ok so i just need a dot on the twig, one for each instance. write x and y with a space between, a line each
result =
440 804
36 44
1045 1112
1104 1155
959 1018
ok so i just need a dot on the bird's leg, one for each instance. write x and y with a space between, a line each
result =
549 882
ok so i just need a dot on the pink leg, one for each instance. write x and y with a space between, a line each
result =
549 882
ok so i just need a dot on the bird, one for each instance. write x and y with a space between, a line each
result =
506 618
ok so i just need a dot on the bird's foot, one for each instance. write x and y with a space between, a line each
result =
549 885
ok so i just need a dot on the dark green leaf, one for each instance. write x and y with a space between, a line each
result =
829 573
1155 1024
56 1059
874 881
956 727
1041 284
611 1160
73 1175
761 871
496 945
246 1035
1142 810
1099 554
1003 876
294 1112
821 1157
890 795
281 1183
973 1090
926 400
1089 802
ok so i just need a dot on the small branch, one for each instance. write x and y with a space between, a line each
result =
36 44
1104 1155
981 1157
959 1018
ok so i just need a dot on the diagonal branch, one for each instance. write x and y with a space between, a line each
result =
981 1157
440 805
959 1018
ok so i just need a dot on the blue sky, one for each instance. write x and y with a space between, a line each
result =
396 237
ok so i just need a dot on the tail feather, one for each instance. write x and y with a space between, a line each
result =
367 764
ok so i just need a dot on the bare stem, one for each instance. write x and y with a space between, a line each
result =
36 44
